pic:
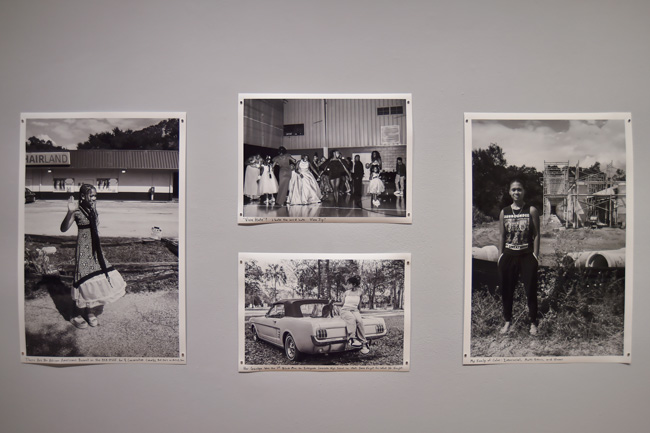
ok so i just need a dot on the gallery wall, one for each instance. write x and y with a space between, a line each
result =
196 56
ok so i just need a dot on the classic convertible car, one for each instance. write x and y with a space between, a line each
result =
308 326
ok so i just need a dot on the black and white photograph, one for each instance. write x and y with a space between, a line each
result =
324 158
102 234
324 312
548 238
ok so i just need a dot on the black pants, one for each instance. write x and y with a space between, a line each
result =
510 268
357 186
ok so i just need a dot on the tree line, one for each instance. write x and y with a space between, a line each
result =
382 281
162 136
491 176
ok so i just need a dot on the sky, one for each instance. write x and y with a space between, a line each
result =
68 132
531 142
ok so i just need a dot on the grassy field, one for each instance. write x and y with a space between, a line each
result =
580 315
145 265
385 351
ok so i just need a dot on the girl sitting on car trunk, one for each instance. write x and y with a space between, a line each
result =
350 313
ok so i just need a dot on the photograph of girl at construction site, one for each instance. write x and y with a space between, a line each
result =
547 230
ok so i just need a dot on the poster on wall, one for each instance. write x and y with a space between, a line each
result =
324 312
325 158
102 238
548 238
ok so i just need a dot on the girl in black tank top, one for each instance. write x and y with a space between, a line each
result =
518 253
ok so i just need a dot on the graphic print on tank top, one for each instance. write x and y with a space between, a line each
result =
517 227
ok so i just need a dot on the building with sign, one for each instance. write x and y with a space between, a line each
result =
117 174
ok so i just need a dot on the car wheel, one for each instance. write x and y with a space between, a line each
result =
290 349
255 336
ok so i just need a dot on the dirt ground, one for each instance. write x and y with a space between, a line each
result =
143 323
558 239
137 325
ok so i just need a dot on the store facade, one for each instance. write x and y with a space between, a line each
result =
117 174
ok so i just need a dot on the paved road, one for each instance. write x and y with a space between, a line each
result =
116 218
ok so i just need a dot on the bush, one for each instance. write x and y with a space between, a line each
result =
479 217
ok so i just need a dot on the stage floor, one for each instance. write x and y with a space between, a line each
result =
390 206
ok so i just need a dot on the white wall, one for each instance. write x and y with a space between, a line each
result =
195 56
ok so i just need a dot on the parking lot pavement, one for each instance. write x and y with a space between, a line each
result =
116 218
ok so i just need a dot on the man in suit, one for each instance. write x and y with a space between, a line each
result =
284 161
357 180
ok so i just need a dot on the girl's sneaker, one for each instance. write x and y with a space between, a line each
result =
92 320
365 350
353 342
79 322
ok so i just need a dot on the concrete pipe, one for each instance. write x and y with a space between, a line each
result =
599 259
489 253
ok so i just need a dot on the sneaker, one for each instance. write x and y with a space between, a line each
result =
505 329
365 350
79 322
533 329
353 342
92 320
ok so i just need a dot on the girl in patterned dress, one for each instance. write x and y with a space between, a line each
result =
96 282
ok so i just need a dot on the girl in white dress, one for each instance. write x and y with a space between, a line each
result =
268 183
252 177
303 188
376 185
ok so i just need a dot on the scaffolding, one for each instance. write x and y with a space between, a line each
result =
576 199
556 188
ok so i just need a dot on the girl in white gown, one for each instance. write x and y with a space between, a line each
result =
268 183
252 177
376 185
303 188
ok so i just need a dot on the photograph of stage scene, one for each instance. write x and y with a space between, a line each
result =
310 310
325 157
548 233
103 197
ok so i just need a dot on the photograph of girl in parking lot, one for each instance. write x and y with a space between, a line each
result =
324 311
102 238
